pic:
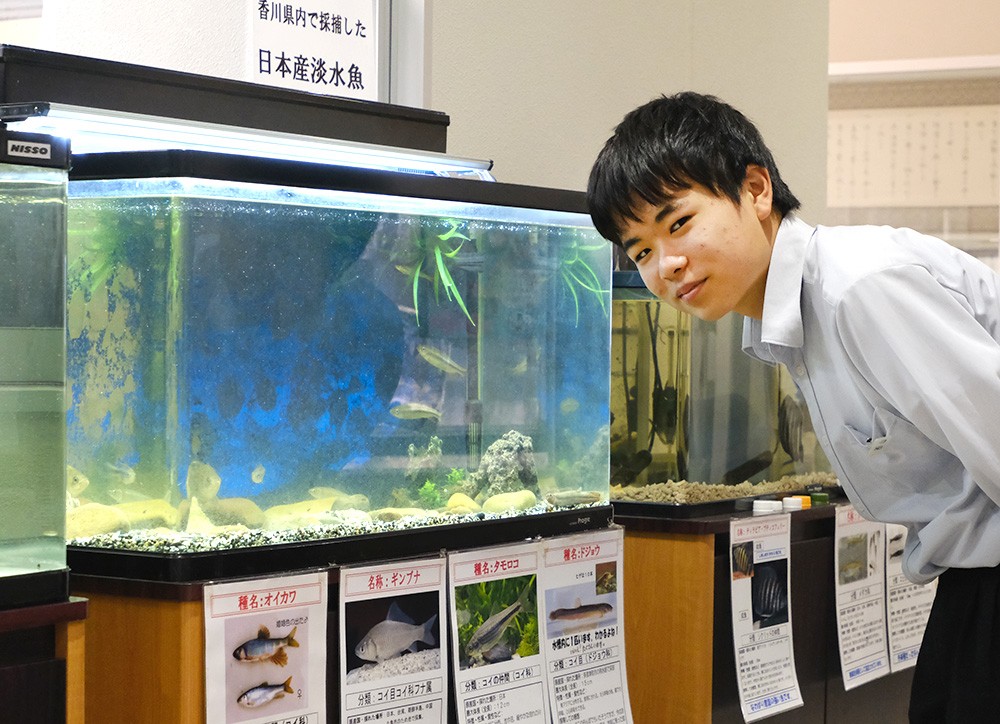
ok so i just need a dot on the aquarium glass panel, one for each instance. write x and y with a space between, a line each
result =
694 419
254 364
33 500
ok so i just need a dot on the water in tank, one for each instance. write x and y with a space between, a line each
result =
252 363
33 478
696 420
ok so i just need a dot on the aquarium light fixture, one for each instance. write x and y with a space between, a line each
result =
94 130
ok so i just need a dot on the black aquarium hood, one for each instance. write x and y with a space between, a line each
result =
29 76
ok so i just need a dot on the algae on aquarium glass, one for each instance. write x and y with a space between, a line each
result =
695 419
251 364
32 462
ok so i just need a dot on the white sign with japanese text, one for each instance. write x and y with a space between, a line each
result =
581 590
393 666
265 650
909 604
499 667
859 590
762 615
317 47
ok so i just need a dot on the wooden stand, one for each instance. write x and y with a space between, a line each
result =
146 651
42 662
678 626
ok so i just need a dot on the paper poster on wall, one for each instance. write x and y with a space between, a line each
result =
581 591
316 47
498 664
762 615
909 604
265 650
393 660
859 592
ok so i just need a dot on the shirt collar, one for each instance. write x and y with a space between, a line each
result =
781 322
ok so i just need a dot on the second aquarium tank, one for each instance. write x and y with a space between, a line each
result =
694 419
263 352
33 483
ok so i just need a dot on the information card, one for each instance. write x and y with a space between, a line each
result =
762 616
499 671
859 562
582 625
909 604
393 667
265 650
318 47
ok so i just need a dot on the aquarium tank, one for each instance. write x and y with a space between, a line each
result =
33 481
264 352
694 419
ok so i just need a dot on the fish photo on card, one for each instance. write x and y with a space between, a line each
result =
500 621
392 635
575 608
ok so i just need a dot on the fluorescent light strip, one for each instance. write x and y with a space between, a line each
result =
92 130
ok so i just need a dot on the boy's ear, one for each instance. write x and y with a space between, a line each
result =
758 183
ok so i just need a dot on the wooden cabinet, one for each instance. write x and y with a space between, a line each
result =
678 626
42 663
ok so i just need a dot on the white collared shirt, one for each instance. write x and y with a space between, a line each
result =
892 338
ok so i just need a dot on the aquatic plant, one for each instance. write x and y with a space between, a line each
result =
456 476
577 273
478 602
529 645
429 495
431 252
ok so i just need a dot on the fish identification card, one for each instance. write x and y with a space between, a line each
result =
908 606
762 615
499 670
582 627
393 666
265 650
859 590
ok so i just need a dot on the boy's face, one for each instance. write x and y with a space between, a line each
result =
702 253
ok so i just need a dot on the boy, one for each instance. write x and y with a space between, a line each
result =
890 335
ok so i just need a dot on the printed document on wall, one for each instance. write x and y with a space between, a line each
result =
762 615
584 640
498 663
265 650
393 661
317 47
909 604
859 592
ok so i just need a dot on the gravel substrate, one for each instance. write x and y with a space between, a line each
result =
687 492
166 541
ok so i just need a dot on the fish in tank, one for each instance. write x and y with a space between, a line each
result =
695 420
33 495
255 363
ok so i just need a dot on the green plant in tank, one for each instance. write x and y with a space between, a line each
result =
98 257
528 645
456 476
429 495
432 253
578 274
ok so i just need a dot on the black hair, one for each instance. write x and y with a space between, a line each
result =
672 143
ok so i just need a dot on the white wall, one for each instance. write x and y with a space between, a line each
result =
540 86
535 86
209 38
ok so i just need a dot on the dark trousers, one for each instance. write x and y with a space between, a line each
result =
957 678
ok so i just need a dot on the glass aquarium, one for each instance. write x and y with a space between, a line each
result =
268 352
33 496
694 419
